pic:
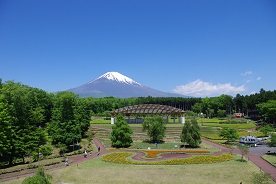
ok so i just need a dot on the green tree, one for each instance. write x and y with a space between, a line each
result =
40 177
268 110
273 140
229 134
197 108
190 134
6 131
266 129
70 120
23 117
121 133
155 128
221 113
46 150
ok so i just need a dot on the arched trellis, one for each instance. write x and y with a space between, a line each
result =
149 109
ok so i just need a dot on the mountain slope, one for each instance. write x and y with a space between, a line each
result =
117 85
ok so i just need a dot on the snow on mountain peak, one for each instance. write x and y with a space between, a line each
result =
116 76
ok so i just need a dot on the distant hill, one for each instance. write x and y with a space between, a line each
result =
118 85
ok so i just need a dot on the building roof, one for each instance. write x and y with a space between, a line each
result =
148 109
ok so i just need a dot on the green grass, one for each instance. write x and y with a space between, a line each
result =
270 158
210 120
100 172
210 132
99 121
228 125
145 145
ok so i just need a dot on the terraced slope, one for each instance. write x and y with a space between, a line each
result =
103 131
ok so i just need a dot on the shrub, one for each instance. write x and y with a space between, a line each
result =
39 178
266 129
272 142
46 150
230 134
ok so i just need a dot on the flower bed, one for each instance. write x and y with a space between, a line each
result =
123 158
118 157
154 153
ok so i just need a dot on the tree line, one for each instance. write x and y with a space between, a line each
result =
31 120
252 106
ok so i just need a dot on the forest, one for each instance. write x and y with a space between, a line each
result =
32 120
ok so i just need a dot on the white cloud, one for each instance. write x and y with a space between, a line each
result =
199 88
259 78
247 73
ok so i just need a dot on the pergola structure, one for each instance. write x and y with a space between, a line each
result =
149 109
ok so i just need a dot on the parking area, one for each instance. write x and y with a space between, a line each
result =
262 149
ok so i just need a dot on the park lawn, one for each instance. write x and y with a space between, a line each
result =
210 132
166 145
270 158
210 120
100 121
169 146
100 172
249 125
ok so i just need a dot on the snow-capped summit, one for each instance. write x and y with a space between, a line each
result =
116 76
117 85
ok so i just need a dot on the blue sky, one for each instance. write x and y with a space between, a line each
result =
193 47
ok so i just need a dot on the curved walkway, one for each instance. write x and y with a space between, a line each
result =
80 158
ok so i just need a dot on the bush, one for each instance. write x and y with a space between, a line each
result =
46 150
221 113
273 140
39 178
230 134
266 129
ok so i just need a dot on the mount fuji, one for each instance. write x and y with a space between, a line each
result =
117 85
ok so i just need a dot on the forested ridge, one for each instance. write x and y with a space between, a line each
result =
33 120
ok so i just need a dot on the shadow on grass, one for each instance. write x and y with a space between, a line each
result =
241 160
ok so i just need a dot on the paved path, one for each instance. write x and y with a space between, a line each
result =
255 158
80 158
